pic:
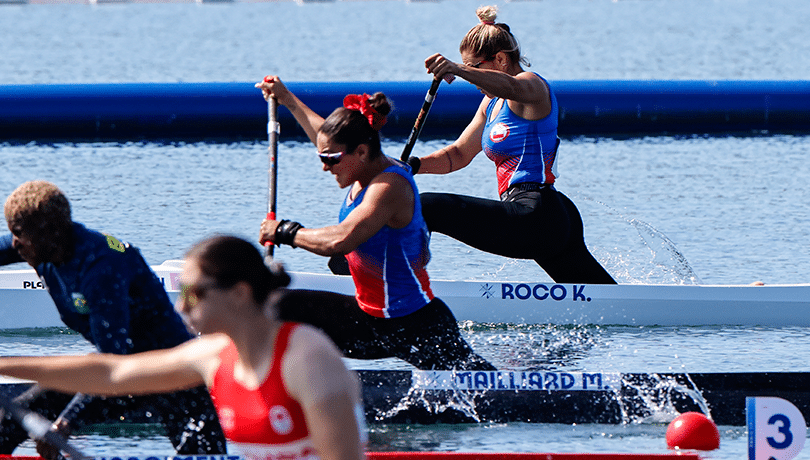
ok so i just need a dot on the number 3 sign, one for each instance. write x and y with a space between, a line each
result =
776 429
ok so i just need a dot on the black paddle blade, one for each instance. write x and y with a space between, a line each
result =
39 428
420 119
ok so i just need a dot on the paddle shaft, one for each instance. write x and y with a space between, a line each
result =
39 427
273 130
420 119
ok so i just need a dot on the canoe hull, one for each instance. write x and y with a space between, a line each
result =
25 304
429 397
623 304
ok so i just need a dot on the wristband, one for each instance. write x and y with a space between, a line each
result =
415 163
285 232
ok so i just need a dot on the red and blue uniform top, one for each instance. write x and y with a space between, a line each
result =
389 269
523 150
263 423
108 293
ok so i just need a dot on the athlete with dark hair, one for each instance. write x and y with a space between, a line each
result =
384 238
104 290
281 389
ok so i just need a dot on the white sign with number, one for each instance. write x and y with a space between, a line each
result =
776 429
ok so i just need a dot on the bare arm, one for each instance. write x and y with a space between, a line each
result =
461 152
388 201
272 86
528 94
328 393
157 371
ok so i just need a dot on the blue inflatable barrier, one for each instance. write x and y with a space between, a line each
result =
232 111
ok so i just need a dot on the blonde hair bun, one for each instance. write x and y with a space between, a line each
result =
487 14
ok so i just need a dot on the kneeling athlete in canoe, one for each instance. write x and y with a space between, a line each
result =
381 231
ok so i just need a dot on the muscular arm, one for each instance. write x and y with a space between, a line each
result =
272 86
528 95
159 371
461 152
388 201
525 88
328 393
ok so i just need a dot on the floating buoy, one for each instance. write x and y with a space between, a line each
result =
693 430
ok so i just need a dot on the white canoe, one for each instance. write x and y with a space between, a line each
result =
24 303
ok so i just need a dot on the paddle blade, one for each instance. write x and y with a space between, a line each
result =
39 428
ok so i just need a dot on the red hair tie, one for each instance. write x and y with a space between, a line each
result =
360 103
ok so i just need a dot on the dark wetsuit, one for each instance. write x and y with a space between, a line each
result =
533 220
108 293
394 313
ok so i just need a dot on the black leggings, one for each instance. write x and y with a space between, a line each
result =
188 417
428 338
543 225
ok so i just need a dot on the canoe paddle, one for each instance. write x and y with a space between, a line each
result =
273 131
420 119
38 427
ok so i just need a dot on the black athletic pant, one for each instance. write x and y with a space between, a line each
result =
188 417
428 338
543 225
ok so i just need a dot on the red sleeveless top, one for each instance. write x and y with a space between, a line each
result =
265 423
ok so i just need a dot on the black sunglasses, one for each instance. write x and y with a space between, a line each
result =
478 64
331 159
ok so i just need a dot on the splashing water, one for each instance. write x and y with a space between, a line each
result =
668 255
646 255
450 404
658 398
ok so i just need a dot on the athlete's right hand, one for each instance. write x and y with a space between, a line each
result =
441 67
272 86
47 451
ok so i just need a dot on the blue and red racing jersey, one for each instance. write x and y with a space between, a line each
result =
523 150
389 269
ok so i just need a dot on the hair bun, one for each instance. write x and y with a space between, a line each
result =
487 14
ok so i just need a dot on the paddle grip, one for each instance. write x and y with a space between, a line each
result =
270 216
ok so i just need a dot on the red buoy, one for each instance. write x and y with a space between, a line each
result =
693 430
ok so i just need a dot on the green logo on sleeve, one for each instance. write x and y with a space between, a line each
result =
114 244
80 303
